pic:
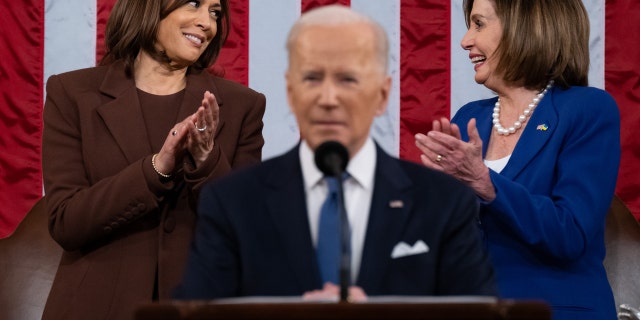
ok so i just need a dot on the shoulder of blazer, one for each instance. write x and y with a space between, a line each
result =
87 79
589 101
232 87
198 81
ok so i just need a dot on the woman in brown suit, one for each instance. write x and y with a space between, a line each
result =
127 146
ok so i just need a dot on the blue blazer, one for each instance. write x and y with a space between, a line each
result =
252 236
545 229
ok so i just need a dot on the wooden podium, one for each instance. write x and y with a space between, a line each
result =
376 308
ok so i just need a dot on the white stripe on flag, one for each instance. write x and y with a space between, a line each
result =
269 23
70 36
596 11
386 128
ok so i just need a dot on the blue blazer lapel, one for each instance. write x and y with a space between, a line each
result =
287 206
390 207
534 137
485 127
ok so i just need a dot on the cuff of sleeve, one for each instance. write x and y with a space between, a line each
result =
492 176
484 202
157 184
191 173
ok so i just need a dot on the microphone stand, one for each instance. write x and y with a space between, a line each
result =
345 243
331 158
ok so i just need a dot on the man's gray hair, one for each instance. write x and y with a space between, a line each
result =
335 15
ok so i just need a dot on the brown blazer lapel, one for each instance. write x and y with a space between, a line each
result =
122 115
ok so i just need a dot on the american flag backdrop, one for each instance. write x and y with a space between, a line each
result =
432 75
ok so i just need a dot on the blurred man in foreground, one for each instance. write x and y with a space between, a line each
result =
412 229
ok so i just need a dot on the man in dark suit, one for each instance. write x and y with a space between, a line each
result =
413 230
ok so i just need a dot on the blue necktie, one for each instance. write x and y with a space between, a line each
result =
328 249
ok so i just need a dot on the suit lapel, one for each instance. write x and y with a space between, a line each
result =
535 136
533 139
287 206
390 207
122 115
485 126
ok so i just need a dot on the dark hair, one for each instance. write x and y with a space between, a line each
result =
541 40
133 26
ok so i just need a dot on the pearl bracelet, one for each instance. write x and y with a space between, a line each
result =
153 163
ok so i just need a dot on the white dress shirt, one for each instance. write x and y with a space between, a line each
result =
358 190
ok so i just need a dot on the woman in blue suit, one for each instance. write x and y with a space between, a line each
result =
542 156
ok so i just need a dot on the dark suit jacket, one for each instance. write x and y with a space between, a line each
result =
118 223
548 218
252 237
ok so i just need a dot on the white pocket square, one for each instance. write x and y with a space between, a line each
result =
402 249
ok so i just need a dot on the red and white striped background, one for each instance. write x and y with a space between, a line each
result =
431 73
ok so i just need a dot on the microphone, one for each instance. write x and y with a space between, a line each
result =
331 158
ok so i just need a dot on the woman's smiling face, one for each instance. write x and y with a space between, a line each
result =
187 31
482 40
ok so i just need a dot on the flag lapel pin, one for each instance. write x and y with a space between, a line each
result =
542 127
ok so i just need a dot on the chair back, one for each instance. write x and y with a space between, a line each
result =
29 259
622 239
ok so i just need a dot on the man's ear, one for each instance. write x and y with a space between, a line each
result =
385 90
287 77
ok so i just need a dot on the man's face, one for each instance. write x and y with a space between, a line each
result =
336 84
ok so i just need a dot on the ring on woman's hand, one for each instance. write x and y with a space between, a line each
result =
202 129
439 158
174 132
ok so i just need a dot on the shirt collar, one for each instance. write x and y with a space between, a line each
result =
361 167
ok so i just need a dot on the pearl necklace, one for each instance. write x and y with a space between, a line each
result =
522 118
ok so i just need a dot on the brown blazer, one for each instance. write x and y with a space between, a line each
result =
116 221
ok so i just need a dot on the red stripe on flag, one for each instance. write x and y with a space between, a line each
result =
307 5
103 8
425 69
622 75
21 73
233 62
